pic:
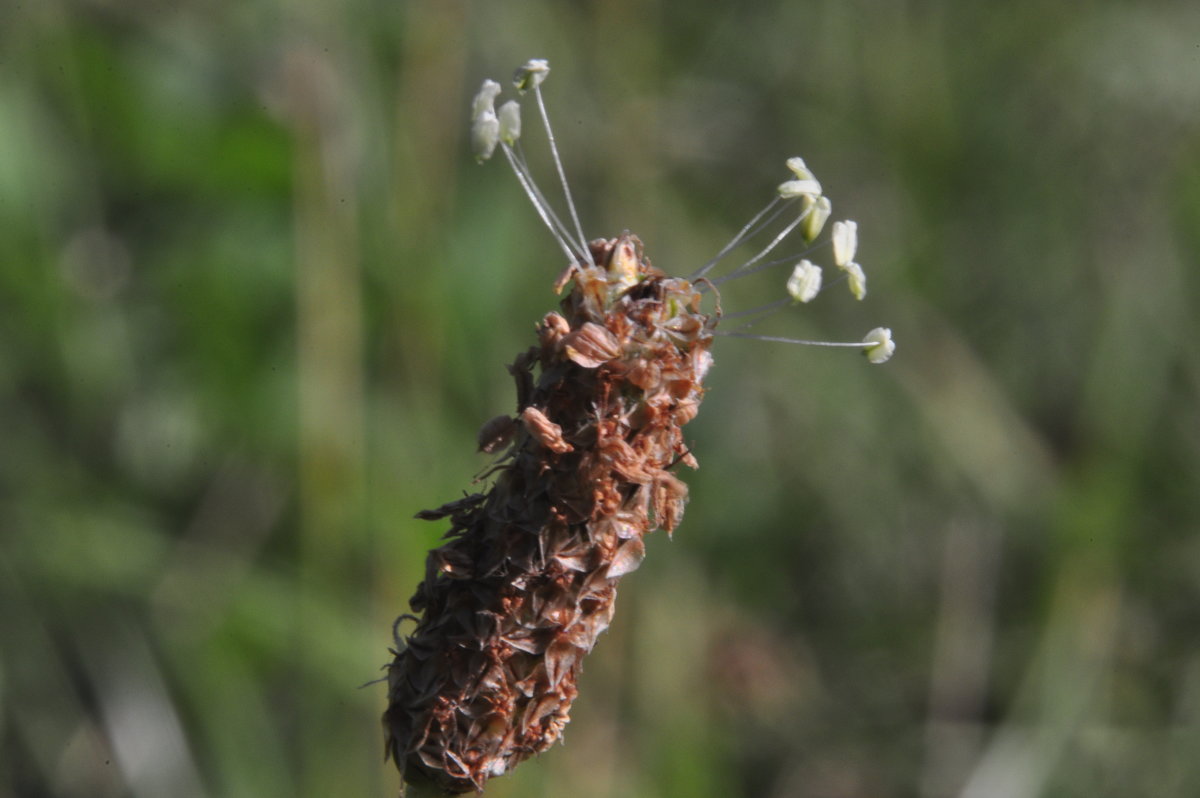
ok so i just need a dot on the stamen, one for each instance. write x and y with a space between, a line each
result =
562 175
510 122
857 278
557 228
845 242
770 306
878 345
741 236
805 282
760 314
784 233
490 129
857 344
771 264
821 209
485 125
539 203
882 346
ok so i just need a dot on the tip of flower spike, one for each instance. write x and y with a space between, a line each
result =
880 345
531 74
805 281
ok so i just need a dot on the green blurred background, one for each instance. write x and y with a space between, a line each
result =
256 298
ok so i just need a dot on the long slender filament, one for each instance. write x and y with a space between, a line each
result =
547 215
784 233
559 229
562 176
741 236
858 344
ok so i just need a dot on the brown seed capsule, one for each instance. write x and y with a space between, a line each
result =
591 345
544 431
552 330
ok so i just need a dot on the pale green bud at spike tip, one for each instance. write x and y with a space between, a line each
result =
799 188
818 210
531 74
845 242
805 281
510 122
623 265
881 345
484 101
858 279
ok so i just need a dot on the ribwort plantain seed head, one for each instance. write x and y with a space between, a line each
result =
527 577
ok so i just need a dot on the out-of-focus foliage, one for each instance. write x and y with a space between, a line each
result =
256 297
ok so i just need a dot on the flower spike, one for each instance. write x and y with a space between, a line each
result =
525 579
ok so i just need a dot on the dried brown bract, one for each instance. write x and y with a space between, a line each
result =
496 433
591 345
526 582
